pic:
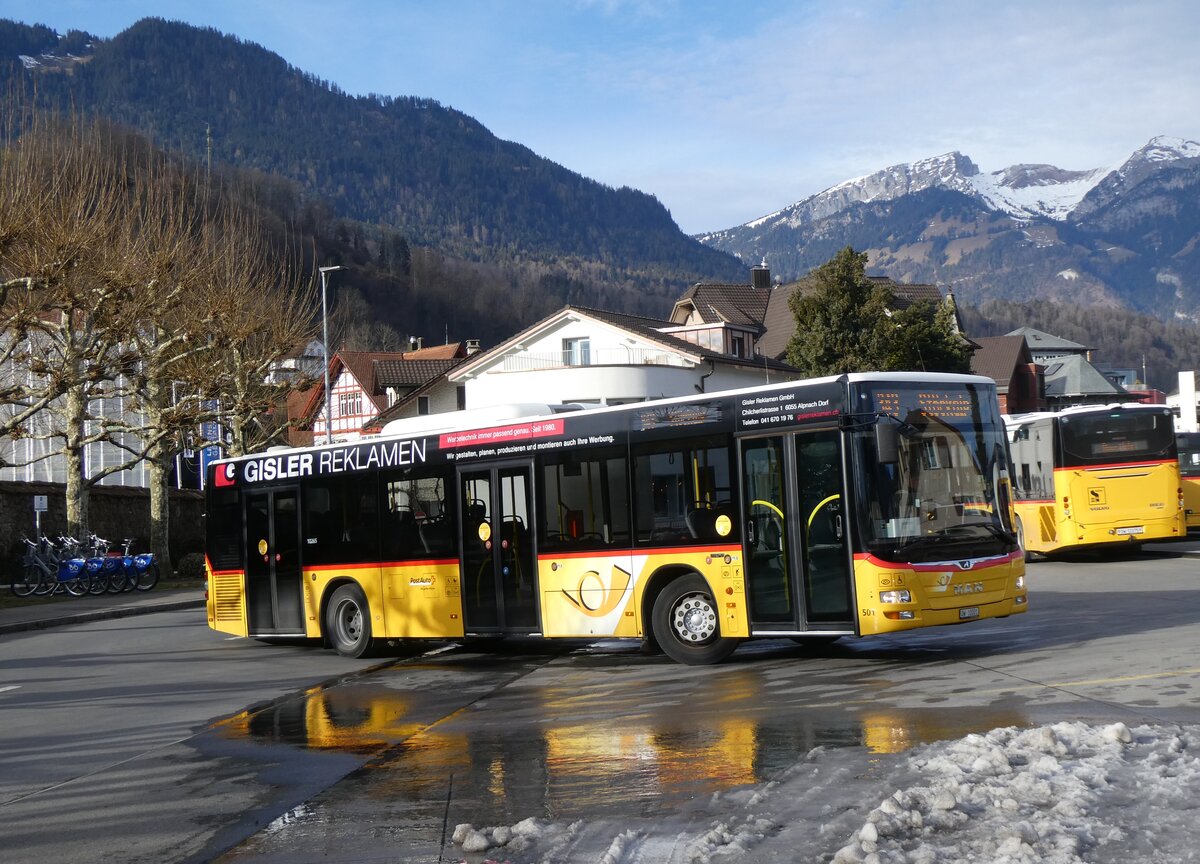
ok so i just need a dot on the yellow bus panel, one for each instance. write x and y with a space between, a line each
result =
601 593
893 597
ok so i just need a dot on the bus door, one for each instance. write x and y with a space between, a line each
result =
499 578
796 538
274 577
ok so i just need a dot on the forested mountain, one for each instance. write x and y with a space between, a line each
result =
538 233
452 232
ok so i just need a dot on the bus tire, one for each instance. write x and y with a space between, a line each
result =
687 625
348 622
1029 556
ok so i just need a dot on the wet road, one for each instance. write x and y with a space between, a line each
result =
597 740
605 740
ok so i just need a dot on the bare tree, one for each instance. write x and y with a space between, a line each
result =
65 196
261 312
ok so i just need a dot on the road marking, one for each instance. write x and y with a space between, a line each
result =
10 687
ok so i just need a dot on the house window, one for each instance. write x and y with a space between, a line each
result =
422 404
737 346
577 352
460 397
350 404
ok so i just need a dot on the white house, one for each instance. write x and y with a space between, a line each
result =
595 357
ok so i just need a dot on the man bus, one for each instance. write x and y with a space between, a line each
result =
841 506
1094 476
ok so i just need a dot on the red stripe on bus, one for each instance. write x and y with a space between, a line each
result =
370 565
661 550
980 563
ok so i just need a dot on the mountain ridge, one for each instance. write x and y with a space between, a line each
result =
1126 235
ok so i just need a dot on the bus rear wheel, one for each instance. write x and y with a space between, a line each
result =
687 625
348 622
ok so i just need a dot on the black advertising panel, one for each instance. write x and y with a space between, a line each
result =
792 406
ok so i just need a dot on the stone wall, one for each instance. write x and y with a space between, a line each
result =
116 512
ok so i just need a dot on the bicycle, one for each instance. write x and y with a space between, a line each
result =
141 570
30 579
58 568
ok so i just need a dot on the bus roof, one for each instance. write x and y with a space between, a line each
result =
1076 410
496 415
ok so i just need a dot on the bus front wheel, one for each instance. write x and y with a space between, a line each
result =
687 625
348 622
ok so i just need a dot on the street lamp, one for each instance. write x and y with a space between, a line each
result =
325 271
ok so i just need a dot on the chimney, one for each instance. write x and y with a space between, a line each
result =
413 343
760 276
472 347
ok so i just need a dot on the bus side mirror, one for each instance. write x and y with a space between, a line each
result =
887 443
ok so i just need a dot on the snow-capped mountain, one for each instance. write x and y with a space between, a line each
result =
1125 235
1021 191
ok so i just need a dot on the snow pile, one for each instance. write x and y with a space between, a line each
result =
1060 794
1056 794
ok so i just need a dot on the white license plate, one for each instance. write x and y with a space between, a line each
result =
969 612
1136 529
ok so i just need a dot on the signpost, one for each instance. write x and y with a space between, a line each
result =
39 507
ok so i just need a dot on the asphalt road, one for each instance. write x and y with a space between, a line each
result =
154 739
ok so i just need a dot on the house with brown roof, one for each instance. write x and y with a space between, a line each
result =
757 316
365 384
1008 361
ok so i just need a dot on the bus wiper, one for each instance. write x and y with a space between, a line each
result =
1006 536
941 537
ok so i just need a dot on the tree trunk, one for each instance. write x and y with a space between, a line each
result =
74 419
160 509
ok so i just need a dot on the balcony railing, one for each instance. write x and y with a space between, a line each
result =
528 362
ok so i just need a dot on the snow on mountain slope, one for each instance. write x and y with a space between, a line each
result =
1022 191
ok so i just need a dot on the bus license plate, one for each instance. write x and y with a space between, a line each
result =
968 613
1136 529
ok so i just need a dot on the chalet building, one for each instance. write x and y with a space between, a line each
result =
365 384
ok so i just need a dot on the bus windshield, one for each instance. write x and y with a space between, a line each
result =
945 494
1116 435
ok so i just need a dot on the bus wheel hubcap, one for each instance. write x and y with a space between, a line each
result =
695 619
351 622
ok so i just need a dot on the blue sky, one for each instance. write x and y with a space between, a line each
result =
727 111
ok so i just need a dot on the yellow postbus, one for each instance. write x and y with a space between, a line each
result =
842 506
1094 475
1188 445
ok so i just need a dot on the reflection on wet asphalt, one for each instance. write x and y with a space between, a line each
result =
601 733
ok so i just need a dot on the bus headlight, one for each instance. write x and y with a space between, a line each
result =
1020 582
895 596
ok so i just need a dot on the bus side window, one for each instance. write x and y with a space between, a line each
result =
585 500
682 489
415 521
340 516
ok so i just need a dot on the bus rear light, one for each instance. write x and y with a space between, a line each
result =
895 596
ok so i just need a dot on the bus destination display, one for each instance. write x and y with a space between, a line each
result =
942 404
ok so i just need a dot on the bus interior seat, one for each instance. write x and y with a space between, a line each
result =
435 535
